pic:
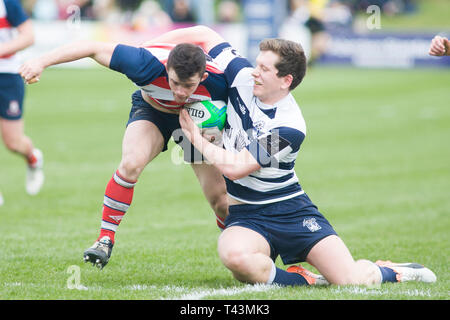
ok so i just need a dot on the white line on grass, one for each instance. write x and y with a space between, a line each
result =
183 293
203 293
379 292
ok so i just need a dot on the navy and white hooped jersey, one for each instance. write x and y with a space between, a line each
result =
272 134
11 16
146 68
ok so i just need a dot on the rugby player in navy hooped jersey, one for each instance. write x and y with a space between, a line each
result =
16 33
269 213
168 77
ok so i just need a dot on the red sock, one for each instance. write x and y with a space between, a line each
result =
31 159
117 200
220 223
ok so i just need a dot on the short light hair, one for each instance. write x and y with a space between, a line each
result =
292 58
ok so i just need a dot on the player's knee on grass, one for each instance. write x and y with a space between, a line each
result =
239 263
236 259
245 253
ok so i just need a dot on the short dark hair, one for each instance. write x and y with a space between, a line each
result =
187 60
292 58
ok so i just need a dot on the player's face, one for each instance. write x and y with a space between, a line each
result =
182 89
268 87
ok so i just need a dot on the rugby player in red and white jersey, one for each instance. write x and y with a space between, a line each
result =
16 33
168 76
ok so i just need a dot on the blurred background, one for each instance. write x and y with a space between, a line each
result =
365 33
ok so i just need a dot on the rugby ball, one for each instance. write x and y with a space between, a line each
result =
210 116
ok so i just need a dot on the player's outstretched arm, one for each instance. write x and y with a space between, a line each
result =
439 46
99 51
232 165
202 36
24 39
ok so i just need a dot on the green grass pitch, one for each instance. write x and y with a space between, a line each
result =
376 161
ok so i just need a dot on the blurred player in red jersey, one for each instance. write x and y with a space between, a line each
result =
16 33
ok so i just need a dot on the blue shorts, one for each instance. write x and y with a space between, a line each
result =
291 227
167 123
12 91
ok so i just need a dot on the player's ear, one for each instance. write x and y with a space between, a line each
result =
167 72
287 81
205 75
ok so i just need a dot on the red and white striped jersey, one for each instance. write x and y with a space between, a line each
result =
146 68
11 16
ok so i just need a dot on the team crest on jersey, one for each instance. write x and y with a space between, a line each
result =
311 224
259 125
13 109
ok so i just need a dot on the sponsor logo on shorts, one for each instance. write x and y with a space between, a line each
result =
311 224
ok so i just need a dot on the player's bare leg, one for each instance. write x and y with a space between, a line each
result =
333 260
214 189
246 254
15 140
142 142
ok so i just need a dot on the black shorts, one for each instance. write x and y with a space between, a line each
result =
167 123
291 227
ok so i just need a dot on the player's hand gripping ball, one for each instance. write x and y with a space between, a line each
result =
210 116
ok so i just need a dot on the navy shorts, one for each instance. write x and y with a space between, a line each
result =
12 91
167 123
291 227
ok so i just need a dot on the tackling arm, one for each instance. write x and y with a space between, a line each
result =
99 51
202 36
233 165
